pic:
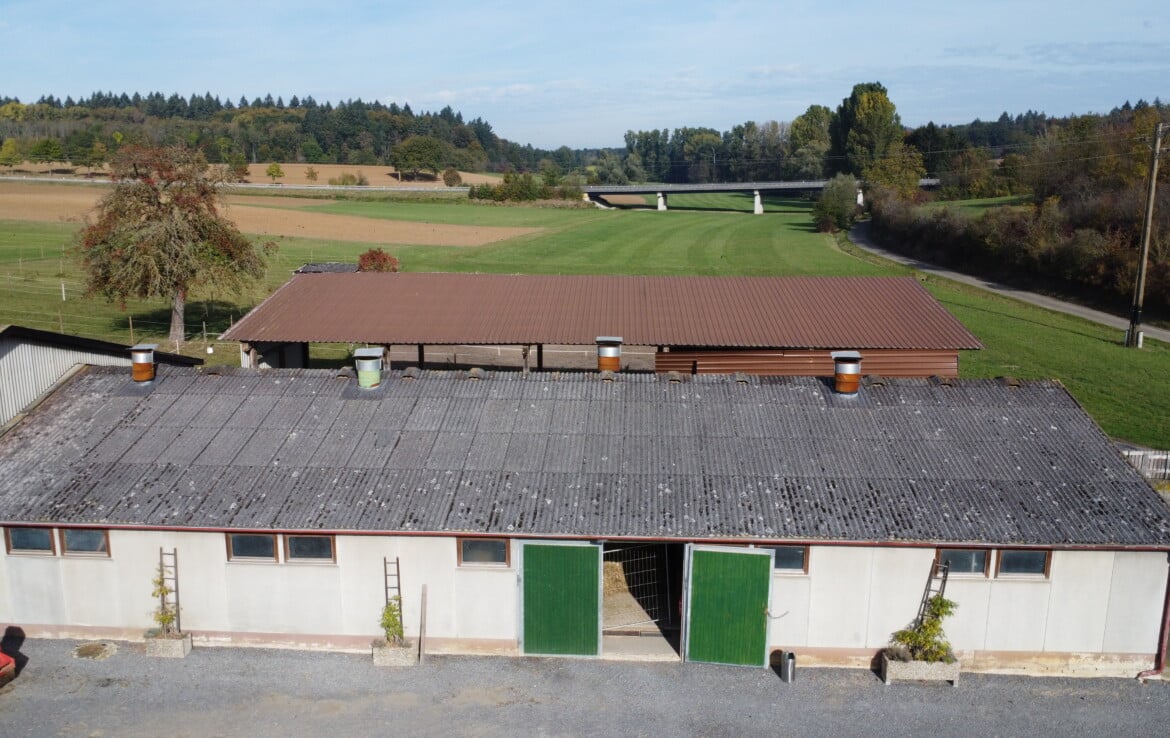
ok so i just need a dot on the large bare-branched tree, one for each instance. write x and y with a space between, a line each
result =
159 233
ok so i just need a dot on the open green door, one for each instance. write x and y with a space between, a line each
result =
727 601
561 599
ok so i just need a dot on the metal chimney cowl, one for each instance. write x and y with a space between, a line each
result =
142 362
846 372
609 353
368 363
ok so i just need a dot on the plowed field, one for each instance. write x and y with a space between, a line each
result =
267 216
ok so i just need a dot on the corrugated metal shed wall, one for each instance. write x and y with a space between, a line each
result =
887 363
28 369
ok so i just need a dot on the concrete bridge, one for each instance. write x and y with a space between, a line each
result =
663 190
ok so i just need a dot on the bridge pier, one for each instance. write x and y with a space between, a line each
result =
758 208
662 201
860 198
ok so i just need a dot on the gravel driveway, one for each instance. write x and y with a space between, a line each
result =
235 691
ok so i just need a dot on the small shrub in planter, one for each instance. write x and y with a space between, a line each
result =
922 651
165 640
393 649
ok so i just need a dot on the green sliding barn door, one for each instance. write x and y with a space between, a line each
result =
727 600
561 600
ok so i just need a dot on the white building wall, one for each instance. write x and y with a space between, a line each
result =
852 598
1135 601
856 597
225 597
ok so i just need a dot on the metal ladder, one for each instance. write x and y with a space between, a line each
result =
393 579
168 568
936 586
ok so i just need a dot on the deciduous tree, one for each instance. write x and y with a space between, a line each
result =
865 128
900 170
416 154
274 170
837 207
10 154
159 234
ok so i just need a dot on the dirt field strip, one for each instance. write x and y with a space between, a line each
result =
64 203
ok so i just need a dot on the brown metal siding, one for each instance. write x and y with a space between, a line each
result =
887 363
736 312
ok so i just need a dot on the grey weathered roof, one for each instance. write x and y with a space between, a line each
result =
572 455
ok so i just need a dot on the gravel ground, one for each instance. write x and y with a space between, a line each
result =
229 691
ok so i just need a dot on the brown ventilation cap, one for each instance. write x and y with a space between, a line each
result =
846 372
609 353
142 361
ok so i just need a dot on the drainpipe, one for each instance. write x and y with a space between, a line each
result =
1160 657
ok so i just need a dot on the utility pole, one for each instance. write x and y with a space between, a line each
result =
1133 336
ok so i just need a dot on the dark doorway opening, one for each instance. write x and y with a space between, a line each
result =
642 591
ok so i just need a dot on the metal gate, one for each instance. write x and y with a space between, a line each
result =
560 601
727 592
633 585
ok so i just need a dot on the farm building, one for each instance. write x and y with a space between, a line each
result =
32 361
543 511
694 325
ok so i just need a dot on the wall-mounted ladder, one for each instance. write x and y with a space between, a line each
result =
393 578
936 586
168 569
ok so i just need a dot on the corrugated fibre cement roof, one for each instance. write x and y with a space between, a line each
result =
748 312
551 455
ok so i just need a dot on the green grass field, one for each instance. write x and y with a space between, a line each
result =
1124 390
975 208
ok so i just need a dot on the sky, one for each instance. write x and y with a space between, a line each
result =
581 74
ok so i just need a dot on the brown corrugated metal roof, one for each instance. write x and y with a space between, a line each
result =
758 312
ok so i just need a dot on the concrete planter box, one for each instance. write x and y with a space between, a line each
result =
387 655
912 670
169 648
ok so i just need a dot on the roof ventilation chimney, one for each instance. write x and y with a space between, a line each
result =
142 362
368 362
609 353
846 372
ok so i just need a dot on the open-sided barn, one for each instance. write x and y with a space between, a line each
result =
694 325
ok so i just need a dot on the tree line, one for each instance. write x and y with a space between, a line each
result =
1076 224
85 132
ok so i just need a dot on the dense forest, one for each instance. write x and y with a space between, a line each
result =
814 145
263 130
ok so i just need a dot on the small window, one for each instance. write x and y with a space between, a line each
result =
87 541
483 552
251 546
29 540
1023 562
308 548
790 558
965 560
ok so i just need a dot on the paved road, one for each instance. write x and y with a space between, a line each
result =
860 236
228 691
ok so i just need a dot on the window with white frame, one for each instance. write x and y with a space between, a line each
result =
789 559
484 552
